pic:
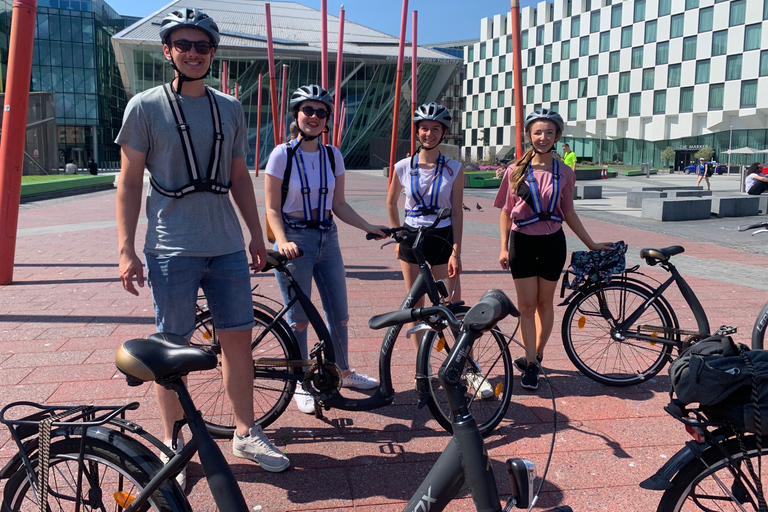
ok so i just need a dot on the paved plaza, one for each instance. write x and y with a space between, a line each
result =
66 313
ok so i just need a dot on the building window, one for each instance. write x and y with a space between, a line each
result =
469 120
568 8
524 40
634 104
529 92
555 106
532 57
673 75
665 7
495 83
480 119
752 37
592 108
716 94
507 115
676 25
614 61
616 16
639 11
765 9
649 77
495 47
508 80
481 84
662 53
564 90
572 110
764 63
509 44
748 93
624 81
556 72
602 85
702 71
691 4
582 92
594 22
488 67
539 36
538 75
502 63
720 43
738 12
659 102
475 69
689 48
650 31
500 101
575 26
499 134
469 87
637 57
574 68
557 31
475 105
593 65
584 46
613 106
493 118
733 67
565 50
470 54
482 51
548 54
605 41
706 17
626 37
686 99
546 92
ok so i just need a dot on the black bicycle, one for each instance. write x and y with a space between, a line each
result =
278 365
761 322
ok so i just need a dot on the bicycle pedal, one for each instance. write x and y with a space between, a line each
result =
726 330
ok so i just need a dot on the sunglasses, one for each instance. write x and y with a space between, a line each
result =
321 113
201 47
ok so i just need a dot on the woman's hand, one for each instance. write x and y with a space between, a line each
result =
377 230
504 259
454 266
597 246
289 249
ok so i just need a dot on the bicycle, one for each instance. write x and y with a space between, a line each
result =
278 365
623 332
761 322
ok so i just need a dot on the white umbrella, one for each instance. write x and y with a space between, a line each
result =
746 151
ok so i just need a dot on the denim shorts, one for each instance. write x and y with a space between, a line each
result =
225 280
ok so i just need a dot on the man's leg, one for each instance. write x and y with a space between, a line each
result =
237 372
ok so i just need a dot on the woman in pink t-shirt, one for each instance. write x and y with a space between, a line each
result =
536 197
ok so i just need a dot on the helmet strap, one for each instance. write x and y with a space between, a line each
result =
184 78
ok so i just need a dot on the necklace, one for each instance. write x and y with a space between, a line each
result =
312 157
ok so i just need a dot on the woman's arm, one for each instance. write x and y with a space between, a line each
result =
573 221
505 224
457 222
393 195
273 199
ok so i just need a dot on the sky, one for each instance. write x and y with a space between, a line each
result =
438 20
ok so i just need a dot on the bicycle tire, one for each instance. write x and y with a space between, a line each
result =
106 465
491 353
588 340
711 482
273 384
758 331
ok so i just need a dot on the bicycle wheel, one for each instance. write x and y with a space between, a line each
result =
590 340
274 381
758 331
490 359
110 480
713 484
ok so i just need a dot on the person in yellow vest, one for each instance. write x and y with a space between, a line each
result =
569 157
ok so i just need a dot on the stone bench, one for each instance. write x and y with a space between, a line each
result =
735 206
635 198
588 192
689 193
677 209
763 204
666 189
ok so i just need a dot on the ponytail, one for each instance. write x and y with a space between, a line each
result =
518 173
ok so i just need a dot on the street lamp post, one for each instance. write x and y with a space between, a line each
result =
730 138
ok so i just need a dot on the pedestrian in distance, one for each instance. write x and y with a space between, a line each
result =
536 197
70 168
755 182
300 212
703 172
569 157
93 167
194 239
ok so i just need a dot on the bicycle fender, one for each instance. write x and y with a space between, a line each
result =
662 480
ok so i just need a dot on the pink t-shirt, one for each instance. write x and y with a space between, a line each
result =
517 208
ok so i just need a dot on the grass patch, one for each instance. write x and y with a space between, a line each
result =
51 177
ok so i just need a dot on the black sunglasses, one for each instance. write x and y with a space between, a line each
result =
321 113
201 47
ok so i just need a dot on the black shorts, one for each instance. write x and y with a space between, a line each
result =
537 255
437 248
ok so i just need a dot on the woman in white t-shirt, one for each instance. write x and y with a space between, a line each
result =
755 182
304 221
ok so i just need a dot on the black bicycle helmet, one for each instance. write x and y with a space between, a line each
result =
432 112
544 114
189 18
310 93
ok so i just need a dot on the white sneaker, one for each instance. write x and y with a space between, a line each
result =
258 448
359 381
480 384
181 478
304 400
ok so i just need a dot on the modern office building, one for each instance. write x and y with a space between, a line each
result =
368 71
630 78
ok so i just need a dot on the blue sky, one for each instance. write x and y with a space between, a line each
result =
439 20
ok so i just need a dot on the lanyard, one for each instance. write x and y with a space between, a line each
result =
421 208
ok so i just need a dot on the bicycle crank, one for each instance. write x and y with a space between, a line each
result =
324 382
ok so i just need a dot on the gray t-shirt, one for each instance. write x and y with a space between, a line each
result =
198 224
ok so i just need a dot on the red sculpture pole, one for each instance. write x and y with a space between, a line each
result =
324 52
15 129
517 76
225 77
398 90
258 126
237 92
341 122
337 94
414 100
282 101
272 80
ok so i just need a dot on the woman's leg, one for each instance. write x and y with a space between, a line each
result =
527 290
546 312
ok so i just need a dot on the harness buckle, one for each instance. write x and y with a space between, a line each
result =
305 190
183 127
427 210
218 136
323 190
545 215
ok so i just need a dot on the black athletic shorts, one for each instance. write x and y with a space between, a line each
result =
437 248
537 255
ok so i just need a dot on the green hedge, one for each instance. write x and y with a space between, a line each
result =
58 184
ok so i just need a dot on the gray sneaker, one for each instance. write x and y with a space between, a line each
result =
258 448
181 478
482 388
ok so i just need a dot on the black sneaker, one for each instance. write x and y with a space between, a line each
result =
530 378
521 362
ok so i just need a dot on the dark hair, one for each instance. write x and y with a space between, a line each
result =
755 167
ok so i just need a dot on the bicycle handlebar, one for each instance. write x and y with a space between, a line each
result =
442 213
408 315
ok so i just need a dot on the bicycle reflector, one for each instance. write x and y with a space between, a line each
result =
123 499
582 321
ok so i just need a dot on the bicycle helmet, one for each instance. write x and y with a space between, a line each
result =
432 112
544 114
189 18
310 93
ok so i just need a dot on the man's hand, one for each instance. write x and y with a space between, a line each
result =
130 266
258 255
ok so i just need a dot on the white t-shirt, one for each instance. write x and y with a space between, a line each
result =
426 183
294 200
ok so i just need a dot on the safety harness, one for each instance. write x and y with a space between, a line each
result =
421 207
539 213
322 223
197 183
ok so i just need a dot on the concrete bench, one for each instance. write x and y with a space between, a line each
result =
639 172
763 204
666 189
677 209
635 198
588 192
689 193
736 206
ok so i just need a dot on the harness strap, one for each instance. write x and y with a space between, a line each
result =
322 203
421 208
289 168
539 213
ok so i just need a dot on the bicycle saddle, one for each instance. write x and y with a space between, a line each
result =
653 256
160 356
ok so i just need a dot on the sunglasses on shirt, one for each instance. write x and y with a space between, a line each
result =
321 113
201 47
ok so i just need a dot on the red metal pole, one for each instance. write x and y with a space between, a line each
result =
272 80
225 77
282 101
414 100
337 94
398 89
15 129
343 117
237 92
258 126
324 51
517 76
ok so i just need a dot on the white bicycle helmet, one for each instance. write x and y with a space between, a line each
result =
310 93
433 112
189 18
544 114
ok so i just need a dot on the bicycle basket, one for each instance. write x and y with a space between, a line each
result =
593 266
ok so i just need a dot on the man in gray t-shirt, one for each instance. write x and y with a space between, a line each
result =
194 239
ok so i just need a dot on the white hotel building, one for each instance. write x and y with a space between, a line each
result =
629 78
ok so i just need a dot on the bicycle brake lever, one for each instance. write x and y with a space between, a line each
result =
387 243
764 230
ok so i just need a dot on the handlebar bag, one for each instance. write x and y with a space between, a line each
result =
593 266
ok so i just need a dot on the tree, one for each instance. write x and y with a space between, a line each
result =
706 153
668 155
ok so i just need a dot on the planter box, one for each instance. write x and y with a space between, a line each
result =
76 184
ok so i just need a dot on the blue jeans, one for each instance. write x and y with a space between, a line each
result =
321 260
225 280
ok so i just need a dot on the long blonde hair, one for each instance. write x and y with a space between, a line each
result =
517 175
